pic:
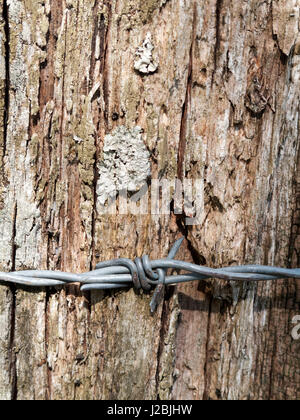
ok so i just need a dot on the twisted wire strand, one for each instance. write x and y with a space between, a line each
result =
142 273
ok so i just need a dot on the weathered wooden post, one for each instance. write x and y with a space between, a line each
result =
217 100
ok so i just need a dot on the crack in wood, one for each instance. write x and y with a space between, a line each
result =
12 353
103 30
164 322
184 117
5 13
219 4
47 75
49 373
206 363
104 68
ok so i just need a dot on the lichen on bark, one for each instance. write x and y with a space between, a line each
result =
125 164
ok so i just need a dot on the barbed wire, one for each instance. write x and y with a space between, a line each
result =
142 273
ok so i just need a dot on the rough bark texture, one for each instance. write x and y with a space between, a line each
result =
223 107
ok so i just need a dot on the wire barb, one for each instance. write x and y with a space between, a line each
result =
144 274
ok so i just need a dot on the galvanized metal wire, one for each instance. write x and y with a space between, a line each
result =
142 273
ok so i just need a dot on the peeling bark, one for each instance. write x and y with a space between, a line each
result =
223 106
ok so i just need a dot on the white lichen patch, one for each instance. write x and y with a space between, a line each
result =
125 164
145 63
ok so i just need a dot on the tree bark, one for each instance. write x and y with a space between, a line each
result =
223 107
